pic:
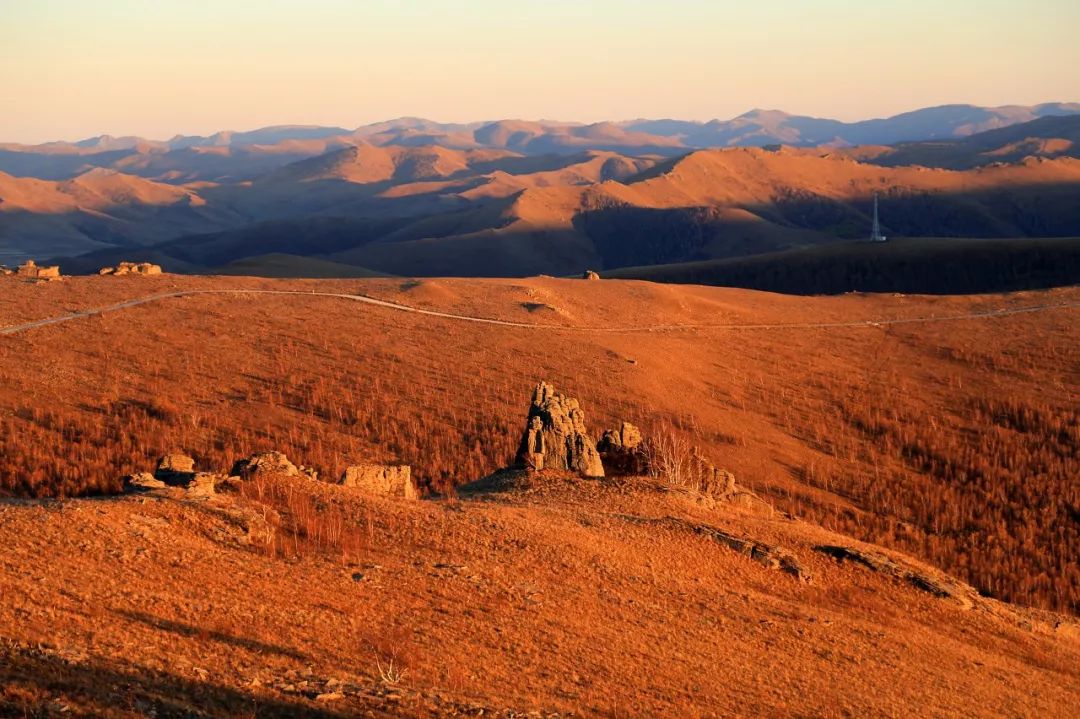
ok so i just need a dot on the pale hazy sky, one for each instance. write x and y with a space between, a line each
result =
70 69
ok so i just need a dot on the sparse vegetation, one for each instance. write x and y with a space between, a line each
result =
956 442
675 460
295 523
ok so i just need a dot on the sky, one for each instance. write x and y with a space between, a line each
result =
71 69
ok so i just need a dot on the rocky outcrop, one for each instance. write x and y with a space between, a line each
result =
623 452
131 268
33 271
175 469
265 463
142 482
381 479
767 555
934 582
203 485
590 275
555 436
715 482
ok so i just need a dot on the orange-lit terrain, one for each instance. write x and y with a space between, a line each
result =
377 201
944 429
508 360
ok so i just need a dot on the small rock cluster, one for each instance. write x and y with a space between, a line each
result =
178 471
131 268
590 275
270 464
623 451
555 436
32 271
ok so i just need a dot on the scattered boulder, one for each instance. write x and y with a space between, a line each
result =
131 268
175 469
142 482
623 452
265 463
202 485
590 275
555 436
381 479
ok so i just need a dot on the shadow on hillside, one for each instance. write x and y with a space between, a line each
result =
429 234
919 266
190 630
37 683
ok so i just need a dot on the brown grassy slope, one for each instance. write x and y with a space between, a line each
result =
1045 137
553 598
365 164
94 190
957 441
747 177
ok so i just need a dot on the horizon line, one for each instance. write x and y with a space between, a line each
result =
569 123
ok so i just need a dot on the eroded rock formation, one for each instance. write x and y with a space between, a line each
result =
33 271
555 436
623 451
717 483
142 482
131 268
175 469
381 479
268 463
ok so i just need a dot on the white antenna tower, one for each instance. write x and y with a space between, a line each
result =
875 234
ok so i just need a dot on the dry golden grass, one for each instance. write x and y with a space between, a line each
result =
556 596
955 441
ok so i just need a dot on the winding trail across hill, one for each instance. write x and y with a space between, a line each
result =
986 314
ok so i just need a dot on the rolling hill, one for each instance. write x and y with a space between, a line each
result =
495 208
96 210
920 454
238 156
434 211
1047 137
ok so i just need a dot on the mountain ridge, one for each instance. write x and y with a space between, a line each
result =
961 119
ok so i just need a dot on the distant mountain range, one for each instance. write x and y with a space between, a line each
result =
238 156
413 197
